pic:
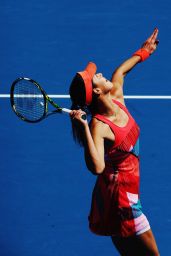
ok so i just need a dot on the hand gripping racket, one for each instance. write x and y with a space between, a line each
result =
30 102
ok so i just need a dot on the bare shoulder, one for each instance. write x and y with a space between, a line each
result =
98 128
96 125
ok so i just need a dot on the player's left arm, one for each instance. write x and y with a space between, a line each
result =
148 47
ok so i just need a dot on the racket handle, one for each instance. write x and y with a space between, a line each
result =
66 110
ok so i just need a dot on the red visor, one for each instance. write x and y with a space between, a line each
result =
87 76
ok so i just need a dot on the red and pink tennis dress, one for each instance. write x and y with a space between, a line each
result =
116 208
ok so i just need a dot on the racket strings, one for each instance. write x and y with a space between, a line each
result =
29 101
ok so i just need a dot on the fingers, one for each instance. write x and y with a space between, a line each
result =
150 38
151 43
153 36
78 115
75 113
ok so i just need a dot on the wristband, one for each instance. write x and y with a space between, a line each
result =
144 54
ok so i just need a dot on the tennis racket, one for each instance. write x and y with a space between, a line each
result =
30 102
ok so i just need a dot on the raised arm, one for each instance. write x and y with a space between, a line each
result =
147 48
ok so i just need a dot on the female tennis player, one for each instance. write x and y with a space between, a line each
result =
111 149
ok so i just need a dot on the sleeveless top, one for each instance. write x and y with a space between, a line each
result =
115 199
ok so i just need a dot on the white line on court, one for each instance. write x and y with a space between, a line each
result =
146 97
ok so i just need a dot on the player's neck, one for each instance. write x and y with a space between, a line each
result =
106 106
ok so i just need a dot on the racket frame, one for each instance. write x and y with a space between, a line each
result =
45 99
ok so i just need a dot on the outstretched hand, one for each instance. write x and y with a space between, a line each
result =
151 43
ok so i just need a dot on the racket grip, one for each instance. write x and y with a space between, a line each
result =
84 117
66 110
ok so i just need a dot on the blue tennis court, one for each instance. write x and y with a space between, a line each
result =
45 187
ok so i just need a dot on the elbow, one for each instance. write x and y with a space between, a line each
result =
120 72
96 167
97 170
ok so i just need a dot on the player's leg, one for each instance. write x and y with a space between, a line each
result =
139 245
